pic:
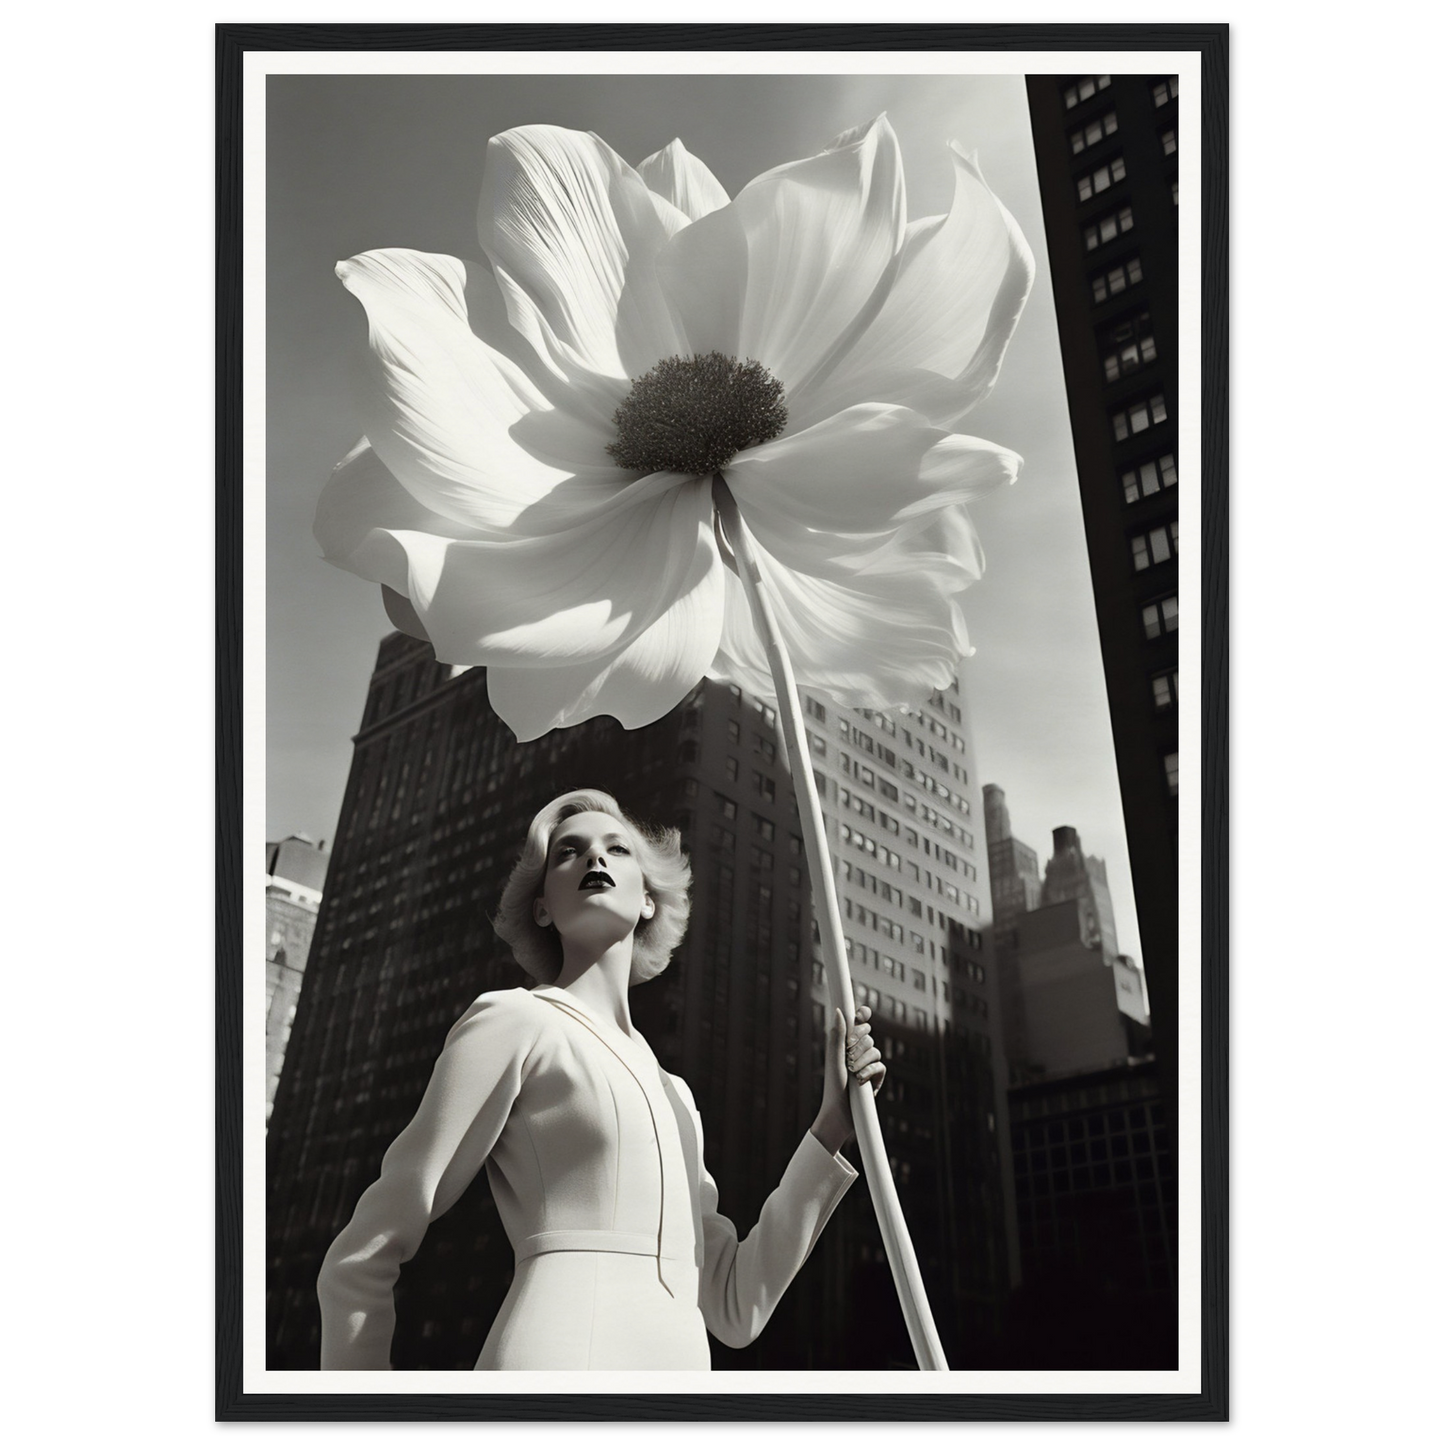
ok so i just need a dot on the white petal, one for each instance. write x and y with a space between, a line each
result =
866 471
362 496
879 639
461 425
573 233
939 338
576 595
639 685
780 274
402 615
677 175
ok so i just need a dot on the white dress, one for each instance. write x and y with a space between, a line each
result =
594 1155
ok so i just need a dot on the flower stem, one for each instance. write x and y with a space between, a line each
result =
896 1241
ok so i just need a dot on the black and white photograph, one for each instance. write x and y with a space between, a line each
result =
722 569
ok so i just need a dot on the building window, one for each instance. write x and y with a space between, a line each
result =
1165 91
1102 232
726 806
1096 181
1084 89
1149 477
735 733
1117 278
1161 617
1159 544
1139 416
1094 132
1166 688
732 770
763 828
1171 772
1129 357
816 709
1168 141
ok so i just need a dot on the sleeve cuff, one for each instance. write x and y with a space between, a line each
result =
827 1165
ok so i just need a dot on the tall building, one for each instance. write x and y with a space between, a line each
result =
1016 889
1070 1011
1098 1204
295 877
1072 874
436 806
1106 148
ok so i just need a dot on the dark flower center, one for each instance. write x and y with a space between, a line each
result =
694 414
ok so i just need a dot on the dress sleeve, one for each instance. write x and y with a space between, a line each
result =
473 1086
743 1280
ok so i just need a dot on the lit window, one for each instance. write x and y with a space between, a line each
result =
1139 417
1111 226
1118 278
1169 143
1084 89
1149 478
1161 617
1101 179
1127 346
1165 91
1160 544
1166 688
1171 772
1094 132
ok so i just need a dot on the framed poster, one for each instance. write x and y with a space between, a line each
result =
1026 856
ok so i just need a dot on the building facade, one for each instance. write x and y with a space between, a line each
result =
1107 149
1071 1017
1098 1206
436 807
295 878
1016 889
1073 875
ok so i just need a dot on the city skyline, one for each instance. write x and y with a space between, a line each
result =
408 177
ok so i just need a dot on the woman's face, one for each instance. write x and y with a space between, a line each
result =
593 889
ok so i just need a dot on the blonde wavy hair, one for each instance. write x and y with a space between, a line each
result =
665 870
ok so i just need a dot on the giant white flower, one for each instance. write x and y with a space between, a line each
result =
534 492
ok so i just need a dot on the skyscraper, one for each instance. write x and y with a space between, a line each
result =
1013 879
1098 1203
1107 149
1073 874
436 807
295 877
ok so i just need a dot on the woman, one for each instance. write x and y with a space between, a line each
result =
593 1150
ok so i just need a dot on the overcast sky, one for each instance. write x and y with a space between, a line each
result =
361 162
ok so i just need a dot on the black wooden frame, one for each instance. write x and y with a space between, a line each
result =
1211 1403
